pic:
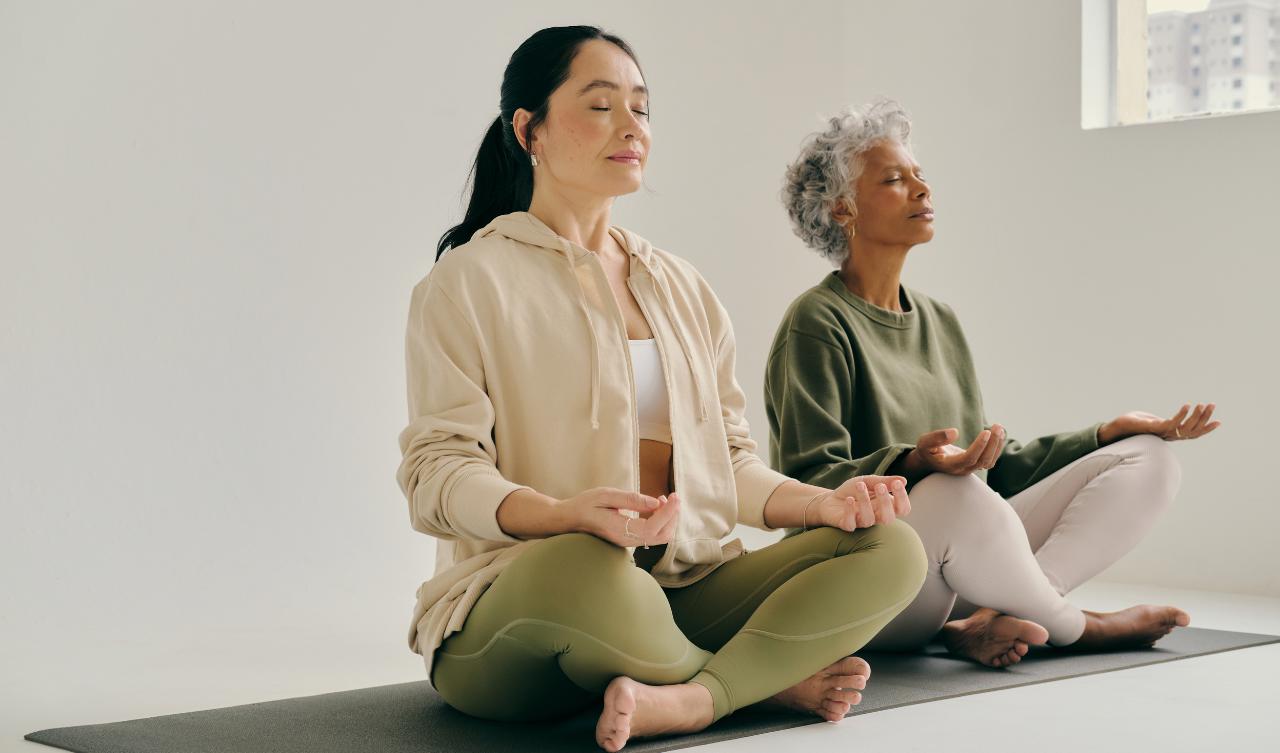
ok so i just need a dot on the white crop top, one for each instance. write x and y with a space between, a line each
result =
651 391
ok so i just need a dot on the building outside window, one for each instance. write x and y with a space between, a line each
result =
1191 54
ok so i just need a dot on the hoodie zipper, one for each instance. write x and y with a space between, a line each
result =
635 413
669 553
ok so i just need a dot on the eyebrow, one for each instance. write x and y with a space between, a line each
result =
898 167
599 83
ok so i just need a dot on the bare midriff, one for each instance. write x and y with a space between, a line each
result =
655 480
655 468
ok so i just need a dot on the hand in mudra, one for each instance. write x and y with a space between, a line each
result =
861 502
1180 426
608 513
934 452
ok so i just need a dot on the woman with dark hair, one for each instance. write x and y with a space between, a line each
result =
572 397
867 375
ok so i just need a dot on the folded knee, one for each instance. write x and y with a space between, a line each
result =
571 557
1156 460
897 545
961 501
952 486
1158 454
909 554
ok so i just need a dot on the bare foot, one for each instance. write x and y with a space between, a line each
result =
829 692
1134 627
633 709
991 638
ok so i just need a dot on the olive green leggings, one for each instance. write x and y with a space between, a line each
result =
574 611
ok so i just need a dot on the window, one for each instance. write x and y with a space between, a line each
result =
1128 53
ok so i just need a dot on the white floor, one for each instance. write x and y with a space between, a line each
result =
1223 702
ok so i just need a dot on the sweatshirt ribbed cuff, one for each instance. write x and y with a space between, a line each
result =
756 482
472 505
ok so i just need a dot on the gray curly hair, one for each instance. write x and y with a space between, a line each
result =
829 163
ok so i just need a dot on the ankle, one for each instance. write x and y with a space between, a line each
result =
702 704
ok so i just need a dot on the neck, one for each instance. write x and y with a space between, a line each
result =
583 220
873 272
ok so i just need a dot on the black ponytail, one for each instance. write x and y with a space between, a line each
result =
501 178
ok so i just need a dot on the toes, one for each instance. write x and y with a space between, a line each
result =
852 665
614 736
851 697
609 741
857 682
839 708
1020 649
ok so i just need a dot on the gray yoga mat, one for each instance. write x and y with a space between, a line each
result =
411 718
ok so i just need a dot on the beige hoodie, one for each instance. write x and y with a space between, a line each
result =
519 375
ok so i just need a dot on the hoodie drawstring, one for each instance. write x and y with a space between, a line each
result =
595 344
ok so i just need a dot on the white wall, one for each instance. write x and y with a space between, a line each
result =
211 217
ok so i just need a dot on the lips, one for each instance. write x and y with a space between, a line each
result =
927 213
627 157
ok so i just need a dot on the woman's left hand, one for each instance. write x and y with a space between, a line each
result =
1180 426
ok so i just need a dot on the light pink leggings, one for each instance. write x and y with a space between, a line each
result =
1020 556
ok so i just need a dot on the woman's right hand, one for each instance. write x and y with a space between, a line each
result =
934 452
597 511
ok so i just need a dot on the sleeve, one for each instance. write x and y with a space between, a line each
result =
754 480
448 471
1019 467
809 385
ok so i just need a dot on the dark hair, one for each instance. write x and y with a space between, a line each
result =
501 178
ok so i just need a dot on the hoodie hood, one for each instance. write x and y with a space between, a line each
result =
526 228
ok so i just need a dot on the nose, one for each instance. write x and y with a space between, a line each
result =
631 127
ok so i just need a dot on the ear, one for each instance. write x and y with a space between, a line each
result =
843 213
519 123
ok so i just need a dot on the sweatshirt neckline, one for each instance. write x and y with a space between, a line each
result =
579 251
895 319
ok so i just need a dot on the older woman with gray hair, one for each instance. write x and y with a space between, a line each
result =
868 376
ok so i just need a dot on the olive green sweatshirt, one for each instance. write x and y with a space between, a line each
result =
851 386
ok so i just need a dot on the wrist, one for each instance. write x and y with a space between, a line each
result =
565 518
815 516
529 514
909 464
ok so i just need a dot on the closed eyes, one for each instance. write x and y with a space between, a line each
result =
606 109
